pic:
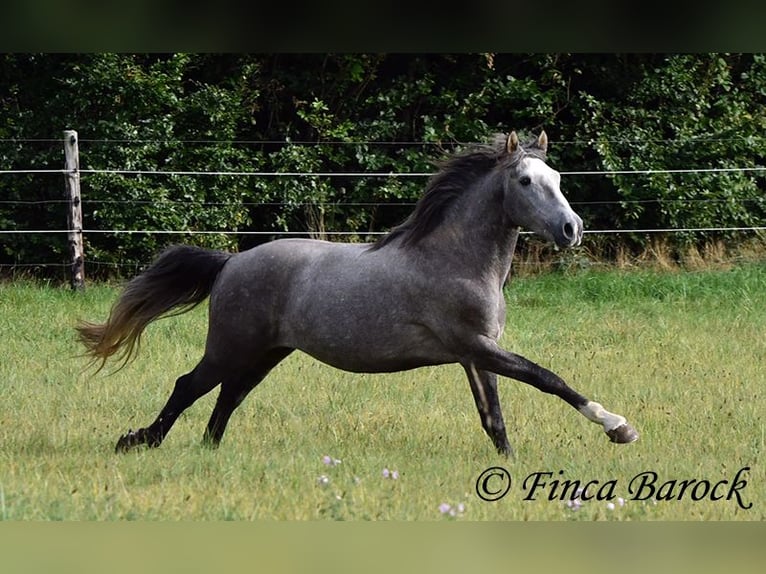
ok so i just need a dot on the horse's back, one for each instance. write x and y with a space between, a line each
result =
272 274
280 268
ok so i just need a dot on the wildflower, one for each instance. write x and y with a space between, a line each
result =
330 461
609 505
576 502
453 511
323 480
392 474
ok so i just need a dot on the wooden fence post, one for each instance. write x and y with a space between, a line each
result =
74 214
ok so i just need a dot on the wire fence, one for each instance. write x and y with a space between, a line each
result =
359 174
266 174
422 143
333 174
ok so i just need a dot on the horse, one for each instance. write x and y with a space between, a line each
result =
430 292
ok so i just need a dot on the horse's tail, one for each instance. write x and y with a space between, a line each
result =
179 279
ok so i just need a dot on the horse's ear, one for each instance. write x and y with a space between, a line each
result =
542 141
512 143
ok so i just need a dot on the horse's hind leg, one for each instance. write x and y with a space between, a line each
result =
235 389
188 388
484 389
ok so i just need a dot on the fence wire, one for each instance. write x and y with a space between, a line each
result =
334 174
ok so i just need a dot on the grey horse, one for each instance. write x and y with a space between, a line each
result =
430 292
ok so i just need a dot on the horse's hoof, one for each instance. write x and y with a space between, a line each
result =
128 441
506 451
623 434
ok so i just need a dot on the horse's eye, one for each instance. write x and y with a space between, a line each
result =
525 180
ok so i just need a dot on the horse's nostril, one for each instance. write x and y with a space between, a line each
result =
569 231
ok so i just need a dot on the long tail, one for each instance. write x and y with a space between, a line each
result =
178 280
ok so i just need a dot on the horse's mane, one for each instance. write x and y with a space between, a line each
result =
456 173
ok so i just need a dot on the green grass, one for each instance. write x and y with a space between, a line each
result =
680 354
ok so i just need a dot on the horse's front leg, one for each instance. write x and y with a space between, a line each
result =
487 356
484 389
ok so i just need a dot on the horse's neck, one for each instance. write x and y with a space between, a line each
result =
478 237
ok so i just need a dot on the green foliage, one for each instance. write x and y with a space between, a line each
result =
378 113
686 112
130 113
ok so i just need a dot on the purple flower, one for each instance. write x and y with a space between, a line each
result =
330 461
392 474
453 511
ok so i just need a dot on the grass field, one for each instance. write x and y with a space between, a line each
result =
680 354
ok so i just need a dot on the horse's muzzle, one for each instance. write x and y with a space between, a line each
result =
570 234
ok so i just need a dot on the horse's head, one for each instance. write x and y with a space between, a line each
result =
532 197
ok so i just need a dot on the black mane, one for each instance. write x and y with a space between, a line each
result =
455 175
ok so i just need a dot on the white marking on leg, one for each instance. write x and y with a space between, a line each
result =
482 395
596 413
